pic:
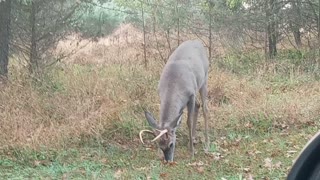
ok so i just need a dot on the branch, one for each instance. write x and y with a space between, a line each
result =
59 25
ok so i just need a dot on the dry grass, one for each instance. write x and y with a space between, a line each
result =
247 99
70 104
34 117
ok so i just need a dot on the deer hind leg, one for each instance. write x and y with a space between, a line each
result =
203 93
190 123
195 119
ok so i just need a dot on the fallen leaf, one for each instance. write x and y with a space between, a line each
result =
40 163
200 169
118 174
200 163
142 168
103 160
277 165
249 177
291 152
268 163
36 163
172 163
246 169
163 175
217 156
64 176
248 125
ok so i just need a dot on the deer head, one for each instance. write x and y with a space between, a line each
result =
166 136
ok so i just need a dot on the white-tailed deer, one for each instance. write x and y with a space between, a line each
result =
185 73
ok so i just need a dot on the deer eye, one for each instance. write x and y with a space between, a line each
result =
170 145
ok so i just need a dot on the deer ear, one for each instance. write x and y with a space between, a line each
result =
177 121
151 120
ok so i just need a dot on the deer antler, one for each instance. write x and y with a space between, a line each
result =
141 132
162 132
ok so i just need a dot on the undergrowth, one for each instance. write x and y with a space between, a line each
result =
82 121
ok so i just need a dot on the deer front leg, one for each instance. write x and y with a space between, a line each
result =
191 111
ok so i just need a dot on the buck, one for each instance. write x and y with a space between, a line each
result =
185 74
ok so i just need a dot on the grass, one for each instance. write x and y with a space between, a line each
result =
235 156
81 121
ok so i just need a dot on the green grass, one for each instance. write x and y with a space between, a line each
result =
234 156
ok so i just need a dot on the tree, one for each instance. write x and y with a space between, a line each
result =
296 23
39 25
5 11
318 26
271 18
261 24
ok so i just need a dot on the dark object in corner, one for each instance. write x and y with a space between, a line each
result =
307 165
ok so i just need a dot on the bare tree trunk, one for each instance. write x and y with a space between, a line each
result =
101 22
178 31
266 45
33 66
295 26
272 40
297 37
144 38
266 34
271 29
319 29
210 29
5 11
154 27
168 40
178 21
154 18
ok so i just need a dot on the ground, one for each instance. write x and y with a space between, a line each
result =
238 155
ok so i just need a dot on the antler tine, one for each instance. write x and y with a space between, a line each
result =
141 132
162 132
